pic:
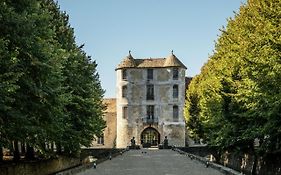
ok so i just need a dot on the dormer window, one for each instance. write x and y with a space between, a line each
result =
149 74
124 74
175 73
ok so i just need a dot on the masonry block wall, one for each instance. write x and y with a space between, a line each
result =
150 100
108 139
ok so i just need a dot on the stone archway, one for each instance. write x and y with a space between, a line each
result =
150 137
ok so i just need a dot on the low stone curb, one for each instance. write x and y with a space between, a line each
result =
221 168
83 167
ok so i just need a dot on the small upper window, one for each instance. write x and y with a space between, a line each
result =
124 74
175 73
150 74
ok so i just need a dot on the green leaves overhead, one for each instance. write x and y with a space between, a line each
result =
238 92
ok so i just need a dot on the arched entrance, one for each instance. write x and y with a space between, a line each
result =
150 137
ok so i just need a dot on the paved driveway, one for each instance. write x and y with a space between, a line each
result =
154 162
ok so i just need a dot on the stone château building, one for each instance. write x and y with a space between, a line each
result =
149 103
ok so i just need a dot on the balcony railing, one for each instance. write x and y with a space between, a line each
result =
150 120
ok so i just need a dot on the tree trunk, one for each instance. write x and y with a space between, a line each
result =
23 151
16 151
254 167
52 146
217 154
44 146
1 153
30 155
59 150
66 150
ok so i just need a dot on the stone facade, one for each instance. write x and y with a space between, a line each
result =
42 167
108 139
150 101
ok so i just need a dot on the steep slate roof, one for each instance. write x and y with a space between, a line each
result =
127 62
170 61
173 61
149 62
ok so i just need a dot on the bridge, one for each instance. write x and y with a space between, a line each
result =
151 161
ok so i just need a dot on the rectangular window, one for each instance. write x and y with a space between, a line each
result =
125 112
175 91
101 139
124 91
150 112
175 73
150 92
150 74
175 113
124 74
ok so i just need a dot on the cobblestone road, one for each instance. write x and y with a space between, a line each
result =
154 162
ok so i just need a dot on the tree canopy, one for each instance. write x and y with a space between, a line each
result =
50 92
237 96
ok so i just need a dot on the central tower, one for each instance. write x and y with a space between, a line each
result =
150 101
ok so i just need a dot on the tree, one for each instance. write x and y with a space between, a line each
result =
239 97
50 90
83 93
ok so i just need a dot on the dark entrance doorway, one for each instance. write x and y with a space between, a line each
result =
150 137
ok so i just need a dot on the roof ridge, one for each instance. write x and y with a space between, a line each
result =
170 61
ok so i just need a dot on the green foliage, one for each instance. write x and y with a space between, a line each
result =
238 91
50 91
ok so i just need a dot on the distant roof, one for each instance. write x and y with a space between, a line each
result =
170 61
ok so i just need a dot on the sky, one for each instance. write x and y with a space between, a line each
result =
149 28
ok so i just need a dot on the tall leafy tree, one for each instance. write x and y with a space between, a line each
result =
238 89
26 27
83 93
50 90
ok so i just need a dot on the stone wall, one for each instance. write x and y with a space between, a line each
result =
109 132
269 164
39 168
202 151
61 165
242 161
99 154
163 103
175 134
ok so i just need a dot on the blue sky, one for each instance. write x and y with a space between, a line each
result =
149 28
